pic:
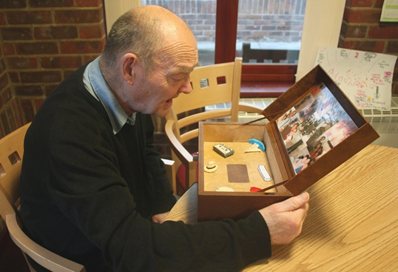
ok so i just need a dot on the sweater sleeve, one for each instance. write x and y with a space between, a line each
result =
88 189
162 199
225 245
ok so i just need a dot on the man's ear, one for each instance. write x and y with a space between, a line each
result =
129 65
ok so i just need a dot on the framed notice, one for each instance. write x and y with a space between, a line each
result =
389 12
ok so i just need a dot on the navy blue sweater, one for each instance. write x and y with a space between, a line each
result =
88 195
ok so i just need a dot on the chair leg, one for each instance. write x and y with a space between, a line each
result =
31 269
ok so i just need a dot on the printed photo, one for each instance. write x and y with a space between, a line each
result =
313 127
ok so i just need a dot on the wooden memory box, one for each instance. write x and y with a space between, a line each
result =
308 131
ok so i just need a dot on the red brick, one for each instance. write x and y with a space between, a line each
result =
2 133
353 31
27 109
48 89
395 87
12 3
91 31
378 3
40 76
28 90
61 62
5 123
4 82
1 103
21 63
89 58
16 33
392 47
29 17
55 32
359 3
67 73
78 16
88 3
365 45
18 113
14 77
8 49
11 115
383 32
6 95
2 19
362 15
38 102
81 47
37 48
2 66
51 3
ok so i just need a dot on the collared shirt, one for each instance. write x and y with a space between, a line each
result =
96 85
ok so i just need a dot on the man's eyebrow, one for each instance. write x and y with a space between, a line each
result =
183 69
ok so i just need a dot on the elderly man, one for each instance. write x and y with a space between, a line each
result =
93 188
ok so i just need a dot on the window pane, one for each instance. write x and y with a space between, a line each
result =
270 30
200 15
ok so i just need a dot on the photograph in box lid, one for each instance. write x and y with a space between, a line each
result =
314 126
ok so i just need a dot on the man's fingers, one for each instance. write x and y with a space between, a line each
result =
285 219
292 203
301 213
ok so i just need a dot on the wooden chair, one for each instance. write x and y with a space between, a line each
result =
212 85
11 152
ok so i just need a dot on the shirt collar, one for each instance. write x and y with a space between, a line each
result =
96 85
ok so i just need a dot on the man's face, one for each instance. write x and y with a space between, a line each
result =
168 77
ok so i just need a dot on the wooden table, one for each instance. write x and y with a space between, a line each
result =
352 224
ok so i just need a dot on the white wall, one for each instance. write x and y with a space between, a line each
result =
115 8
322 25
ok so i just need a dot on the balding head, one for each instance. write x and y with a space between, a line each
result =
148 58
146 31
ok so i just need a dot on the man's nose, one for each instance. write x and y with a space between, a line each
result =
187 87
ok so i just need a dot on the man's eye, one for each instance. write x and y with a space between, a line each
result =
179 77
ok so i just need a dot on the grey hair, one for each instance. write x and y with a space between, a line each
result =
136 33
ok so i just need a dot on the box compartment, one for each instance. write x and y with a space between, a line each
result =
221 196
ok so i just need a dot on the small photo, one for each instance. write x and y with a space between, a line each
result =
314 126
300 158
319 147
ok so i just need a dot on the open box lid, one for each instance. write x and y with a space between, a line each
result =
313 128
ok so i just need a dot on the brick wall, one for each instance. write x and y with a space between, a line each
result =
259 20
10 113
362 30
42 41
272 20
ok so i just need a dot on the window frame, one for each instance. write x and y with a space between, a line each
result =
261 76
323 20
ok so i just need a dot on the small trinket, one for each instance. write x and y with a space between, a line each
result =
224 189
257 142
211 166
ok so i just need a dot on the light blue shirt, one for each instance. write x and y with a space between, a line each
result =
96 85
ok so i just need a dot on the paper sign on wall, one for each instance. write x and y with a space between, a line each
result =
365 77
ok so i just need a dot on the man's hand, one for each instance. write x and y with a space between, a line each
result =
285 219
160 217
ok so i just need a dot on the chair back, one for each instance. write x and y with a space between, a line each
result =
217 84
215 94
11 154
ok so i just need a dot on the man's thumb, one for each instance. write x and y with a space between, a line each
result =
293 203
